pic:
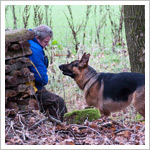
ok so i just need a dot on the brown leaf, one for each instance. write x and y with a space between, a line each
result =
113 129
137 127
61 127
69 143
93 125
127 134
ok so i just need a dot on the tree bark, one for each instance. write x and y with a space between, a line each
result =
134 18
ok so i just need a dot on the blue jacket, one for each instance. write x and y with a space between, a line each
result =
41 63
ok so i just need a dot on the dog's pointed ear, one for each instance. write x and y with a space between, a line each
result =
84 60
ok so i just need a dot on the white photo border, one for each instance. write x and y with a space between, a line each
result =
147 61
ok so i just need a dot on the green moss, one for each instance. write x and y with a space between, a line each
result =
79 116
138 117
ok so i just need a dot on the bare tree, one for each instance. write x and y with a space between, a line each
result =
6 11
14 17
134 18
26 15
88 10
38 15
48 15
100 24
116 30
6 8
74 28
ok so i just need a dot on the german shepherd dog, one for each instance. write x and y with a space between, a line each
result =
109 92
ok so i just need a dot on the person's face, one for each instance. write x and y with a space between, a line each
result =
44 42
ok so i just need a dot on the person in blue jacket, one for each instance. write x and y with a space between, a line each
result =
47 100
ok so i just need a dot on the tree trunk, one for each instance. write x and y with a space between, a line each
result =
134 18
14 17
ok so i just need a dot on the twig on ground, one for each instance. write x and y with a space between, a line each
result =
114 122
143 129
52 119
37 123
86 127
27 136
23 133
11 126
106 124
123 130
76 138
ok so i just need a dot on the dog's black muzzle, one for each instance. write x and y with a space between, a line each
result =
66 71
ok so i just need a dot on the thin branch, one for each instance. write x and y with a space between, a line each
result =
37 123
52 119
75 29
23 133
88 10
86 127
26 15
123 130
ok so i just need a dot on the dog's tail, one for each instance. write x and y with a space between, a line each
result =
138 100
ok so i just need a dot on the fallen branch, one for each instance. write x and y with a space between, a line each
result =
72 132
27 136
52 119
23 128
123 130
143 129
11 127
114 122
37 123
81 126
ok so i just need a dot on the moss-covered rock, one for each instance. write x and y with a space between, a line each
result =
79 116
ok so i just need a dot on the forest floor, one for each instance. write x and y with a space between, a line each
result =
32 128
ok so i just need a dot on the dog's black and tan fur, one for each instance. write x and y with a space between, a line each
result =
109 92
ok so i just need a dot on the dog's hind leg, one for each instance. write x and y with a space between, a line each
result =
139 100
